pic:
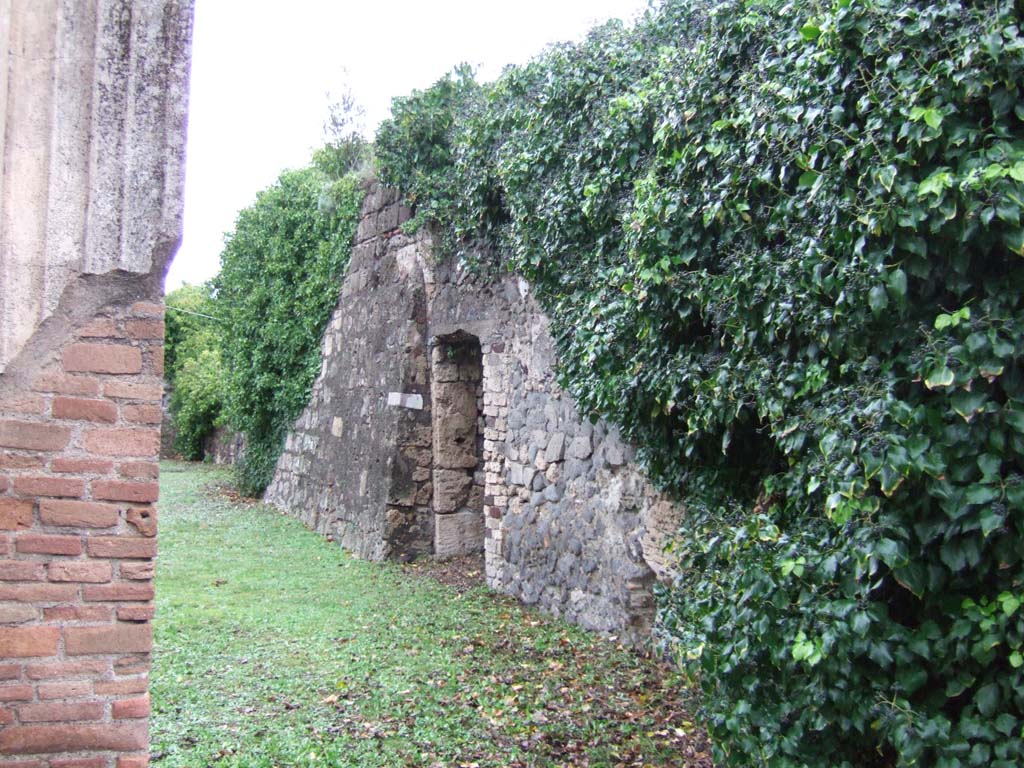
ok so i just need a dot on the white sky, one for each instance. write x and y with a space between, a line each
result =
262 71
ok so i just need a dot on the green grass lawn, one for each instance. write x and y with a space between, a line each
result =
275 648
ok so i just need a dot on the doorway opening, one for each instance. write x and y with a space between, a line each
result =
458 471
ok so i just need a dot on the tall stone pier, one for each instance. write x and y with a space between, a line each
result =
92 106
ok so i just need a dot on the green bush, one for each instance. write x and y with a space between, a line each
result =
279 281
190 326
192 367
197 401
781 246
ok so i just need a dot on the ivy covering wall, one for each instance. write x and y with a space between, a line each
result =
781 246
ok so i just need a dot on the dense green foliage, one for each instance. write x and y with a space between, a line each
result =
279 280
781 246
192 367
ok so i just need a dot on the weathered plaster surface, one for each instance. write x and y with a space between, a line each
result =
93 100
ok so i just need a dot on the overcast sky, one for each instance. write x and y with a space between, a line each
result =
262 71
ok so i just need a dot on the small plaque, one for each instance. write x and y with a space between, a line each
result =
405 400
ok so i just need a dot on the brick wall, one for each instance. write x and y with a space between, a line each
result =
78 482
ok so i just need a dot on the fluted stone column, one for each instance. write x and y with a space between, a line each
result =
93 110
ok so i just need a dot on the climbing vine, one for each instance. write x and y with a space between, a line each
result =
781 246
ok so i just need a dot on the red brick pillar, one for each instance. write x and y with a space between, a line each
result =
78 479
93 100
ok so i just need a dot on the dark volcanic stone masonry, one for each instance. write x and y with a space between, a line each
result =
436 427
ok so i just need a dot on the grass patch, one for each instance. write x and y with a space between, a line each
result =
275 648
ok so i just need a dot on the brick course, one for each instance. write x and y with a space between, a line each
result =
80 571
29 641
42 739
123 442
78 514
120 490
32 436
15 514
77 408
116 638
102 358
49 486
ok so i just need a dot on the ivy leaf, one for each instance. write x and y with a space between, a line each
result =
897 284
979 494
810 31
968 403
881 655
913 577
872 465
937 183
953 556
807 179
892 553
877 300
1006 723
1015 419
861 623
991 520
911 678
932 117
1009 602
891 480
987 699
887 176
1009 212
989 465
1014 240
940 377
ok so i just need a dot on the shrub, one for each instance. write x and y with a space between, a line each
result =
279 280
197 401
781 247
192 367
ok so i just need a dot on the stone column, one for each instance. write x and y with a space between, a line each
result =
93 106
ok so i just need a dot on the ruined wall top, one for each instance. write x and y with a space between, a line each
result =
93 108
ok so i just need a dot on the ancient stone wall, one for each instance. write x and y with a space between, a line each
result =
223 446
357 464
92 100
437 427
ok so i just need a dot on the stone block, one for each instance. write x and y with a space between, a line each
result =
614 455
581 447
515 474
555 449
457 534
455 419
451 489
